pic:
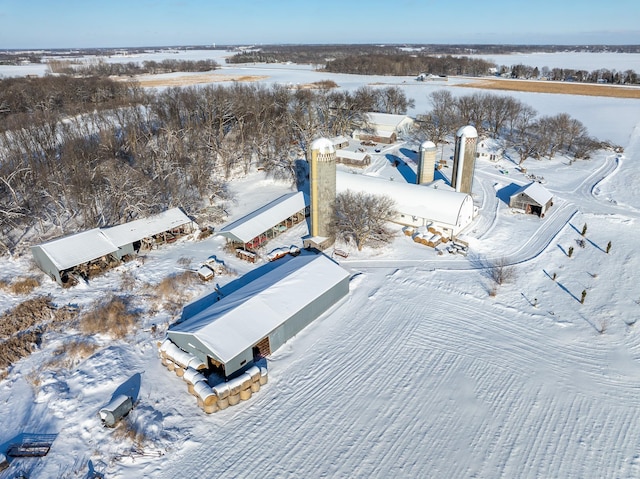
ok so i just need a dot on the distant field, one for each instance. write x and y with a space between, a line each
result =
196 79
556 87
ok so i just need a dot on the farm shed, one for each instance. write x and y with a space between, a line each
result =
263 314
353 158
417 205
384 127
147 232
340 142
80 252
268 221
98 249
532 199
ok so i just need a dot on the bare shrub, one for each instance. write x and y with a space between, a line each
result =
29 313
128 281
174 285
69 355
18 347
4 284
112 317
126 431
24 285
34 379
185 261
501 272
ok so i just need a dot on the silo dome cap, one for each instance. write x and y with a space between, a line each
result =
468 131
323 145
428 145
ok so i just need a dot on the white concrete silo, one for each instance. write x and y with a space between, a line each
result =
426 162
464 159
322 179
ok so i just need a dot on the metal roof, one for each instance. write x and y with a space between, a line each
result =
136 230
76 249
257 222
536 192
238 321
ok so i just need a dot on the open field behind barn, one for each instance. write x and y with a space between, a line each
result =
534 86
185 80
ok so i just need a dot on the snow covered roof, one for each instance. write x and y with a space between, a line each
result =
536 192
76 249
428 145
269 215
133 231
352 155
439 205
388 121
339 140
241 319
323 145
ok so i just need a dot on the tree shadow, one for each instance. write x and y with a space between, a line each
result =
403 168
594 245
504 194
564 288
563 250
439 175
131 388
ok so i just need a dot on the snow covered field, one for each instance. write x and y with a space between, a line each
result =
419 372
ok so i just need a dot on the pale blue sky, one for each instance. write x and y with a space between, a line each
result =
119 23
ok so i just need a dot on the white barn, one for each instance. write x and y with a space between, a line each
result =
417 205
259 317
532 198
385 127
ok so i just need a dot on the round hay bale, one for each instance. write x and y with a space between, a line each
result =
234 399
222 390
164 361
192 376
254 372
255 387
190 389
264 376
246 381
210 409
200 403
179 371
205 393
171 365
245 394
223 403
235 385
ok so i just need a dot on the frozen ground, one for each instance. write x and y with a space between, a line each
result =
419 372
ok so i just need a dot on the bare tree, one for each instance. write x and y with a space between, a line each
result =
362 218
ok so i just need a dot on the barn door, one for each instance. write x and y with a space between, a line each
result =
262 349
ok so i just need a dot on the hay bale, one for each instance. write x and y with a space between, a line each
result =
200 403
234 399
191 389
192 376
235 385
179 371
170 365
223 403
211 408
245 394
255 386
204 392
222 390
264 376
164 361
254 372
246 381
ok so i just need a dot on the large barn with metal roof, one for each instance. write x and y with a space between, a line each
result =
262 314
417 205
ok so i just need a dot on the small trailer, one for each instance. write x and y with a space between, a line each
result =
118 408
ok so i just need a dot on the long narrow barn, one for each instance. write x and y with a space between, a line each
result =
417 205
260 316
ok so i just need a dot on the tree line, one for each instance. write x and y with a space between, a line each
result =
404 64
103 69
508 119
601 75
159 149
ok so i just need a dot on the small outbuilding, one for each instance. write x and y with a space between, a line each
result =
262 315
353 158
532 198
384 127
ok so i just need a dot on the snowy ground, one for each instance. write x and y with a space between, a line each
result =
419 372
